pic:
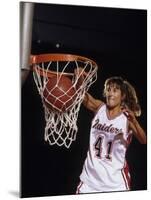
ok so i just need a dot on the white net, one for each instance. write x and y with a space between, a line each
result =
60 115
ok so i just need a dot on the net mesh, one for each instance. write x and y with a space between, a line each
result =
61 125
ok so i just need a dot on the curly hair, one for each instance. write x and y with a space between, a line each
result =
130 98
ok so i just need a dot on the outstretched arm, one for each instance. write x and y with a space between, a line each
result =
135 126
91 103
138 131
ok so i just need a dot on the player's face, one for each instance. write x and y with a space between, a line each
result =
113 96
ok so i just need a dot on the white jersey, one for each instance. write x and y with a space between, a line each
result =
105 166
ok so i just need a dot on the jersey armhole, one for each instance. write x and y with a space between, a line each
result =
95 113
129 134
129 129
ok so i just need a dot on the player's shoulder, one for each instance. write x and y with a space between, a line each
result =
101 108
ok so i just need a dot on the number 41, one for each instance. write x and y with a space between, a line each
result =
98 148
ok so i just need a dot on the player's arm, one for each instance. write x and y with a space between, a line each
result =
91 103
138 131
135 126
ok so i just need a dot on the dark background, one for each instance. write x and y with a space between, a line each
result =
117 40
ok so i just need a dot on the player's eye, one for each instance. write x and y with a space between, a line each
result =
115 90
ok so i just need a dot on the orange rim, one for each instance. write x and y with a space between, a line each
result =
49 73
36 59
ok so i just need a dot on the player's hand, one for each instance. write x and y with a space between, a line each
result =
120 137
80 75
129 114
80 72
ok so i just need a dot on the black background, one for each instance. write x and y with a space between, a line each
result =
117 40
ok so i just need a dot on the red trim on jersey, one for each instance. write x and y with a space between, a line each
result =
78 188
127 125
129 139
125 170
126 176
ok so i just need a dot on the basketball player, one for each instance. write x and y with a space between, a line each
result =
105 168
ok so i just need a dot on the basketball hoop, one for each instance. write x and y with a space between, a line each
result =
62 92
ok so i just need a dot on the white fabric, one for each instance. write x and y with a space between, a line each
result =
100 172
